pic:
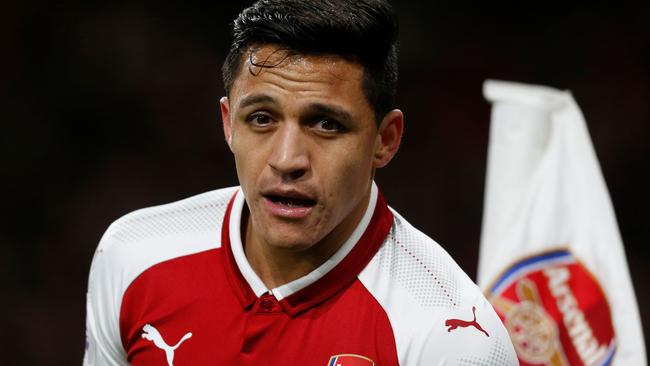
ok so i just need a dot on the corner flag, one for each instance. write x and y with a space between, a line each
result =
551 260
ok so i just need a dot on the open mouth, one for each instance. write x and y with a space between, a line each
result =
290 201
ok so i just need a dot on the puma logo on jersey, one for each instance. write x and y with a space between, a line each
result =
152 334
455 323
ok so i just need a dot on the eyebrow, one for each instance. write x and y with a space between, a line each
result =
314 108
256 99
330 110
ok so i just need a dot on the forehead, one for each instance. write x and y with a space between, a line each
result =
275 69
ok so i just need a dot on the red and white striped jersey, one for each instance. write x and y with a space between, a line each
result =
170 285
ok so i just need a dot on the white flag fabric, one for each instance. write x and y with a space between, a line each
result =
552 260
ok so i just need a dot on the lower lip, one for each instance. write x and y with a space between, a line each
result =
289 212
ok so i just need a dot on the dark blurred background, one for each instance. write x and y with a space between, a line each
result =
110 107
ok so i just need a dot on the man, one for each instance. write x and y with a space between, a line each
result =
304 263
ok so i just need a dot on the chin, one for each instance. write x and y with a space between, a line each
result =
296 242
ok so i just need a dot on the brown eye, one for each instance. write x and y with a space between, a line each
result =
259 119
329 125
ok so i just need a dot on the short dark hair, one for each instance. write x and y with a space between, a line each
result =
364 31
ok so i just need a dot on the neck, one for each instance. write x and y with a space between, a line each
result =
277 265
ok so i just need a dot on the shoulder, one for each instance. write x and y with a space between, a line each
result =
423 291
146 237
150 235
136 242
192 214
414 263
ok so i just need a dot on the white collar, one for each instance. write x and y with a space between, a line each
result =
292 287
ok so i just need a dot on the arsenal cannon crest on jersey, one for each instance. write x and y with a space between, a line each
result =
350 360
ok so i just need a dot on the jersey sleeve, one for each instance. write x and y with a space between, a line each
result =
463 339
132 244
103 342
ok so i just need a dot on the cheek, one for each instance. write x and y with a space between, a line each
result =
349 170
359 155
248 162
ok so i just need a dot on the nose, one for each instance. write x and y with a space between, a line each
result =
289 157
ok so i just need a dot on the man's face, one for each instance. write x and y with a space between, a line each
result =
306 144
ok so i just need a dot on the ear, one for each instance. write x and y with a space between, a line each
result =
389 136
224 105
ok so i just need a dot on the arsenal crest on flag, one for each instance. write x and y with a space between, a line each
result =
350 360
552 261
